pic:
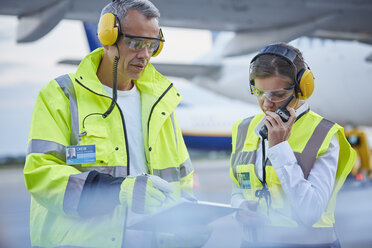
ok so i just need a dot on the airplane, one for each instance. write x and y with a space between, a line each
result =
206 118
250 25
259 21
247 26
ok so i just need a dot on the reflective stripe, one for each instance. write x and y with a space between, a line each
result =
240 157
299 235
67 87
242 133
308 156
119 171
47 147
243 158
115 171
139 194
73 191
305 159
174 129
59 151
186 168
171 174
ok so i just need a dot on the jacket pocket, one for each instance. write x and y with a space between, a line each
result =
98 136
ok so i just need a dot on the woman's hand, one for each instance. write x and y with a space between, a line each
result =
279 131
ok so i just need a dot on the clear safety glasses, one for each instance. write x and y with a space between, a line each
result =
136 43
273 95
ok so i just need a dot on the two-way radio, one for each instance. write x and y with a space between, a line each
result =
282 112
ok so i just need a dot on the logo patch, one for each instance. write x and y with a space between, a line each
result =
244 180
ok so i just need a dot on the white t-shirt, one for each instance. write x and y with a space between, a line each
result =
129 102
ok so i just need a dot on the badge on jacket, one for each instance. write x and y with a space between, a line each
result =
81 154
244 180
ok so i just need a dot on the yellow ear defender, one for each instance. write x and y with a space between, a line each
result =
161 44
109 31
304 79
305 82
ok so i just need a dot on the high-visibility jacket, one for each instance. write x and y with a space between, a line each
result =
310 137
64 115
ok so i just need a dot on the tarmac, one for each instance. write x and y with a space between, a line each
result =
212 183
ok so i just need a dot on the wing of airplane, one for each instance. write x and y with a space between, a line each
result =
261 21
253 23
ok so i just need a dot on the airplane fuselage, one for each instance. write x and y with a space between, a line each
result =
343 86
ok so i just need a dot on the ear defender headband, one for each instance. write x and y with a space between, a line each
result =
109 32
304 79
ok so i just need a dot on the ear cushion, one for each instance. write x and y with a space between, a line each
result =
158 50
161 44
108 29
305 79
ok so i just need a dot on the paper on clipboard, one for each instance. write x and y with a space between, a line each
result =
182 215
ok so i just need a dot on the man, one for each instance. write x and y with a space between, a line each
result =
117 112
71 153
287 163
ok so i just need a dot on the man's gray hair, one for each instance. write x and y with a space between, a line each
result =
121 7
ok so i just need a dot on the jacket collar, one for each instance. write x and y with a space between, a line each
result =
151 82
86 72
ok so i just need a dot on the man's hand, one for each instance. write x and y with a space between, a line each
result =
248 216
141 195
279 131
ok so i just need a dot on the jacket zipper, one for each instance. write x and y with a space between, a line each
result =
122 119
152 109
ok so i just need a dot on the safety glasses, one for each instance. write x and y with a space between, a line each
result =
273 95
137 43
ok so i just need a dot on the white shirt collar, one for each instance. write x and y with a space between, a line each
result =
121 92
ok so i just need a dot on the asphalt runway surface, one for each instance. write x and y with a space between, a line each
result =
353 211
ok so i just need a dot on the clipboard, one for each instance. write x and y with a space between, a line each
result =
183 215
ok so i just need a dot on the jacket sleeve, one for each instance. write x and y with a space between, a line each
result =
46 174
56 186
186 168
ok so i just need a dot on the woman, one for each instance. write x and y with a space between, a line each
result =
285 180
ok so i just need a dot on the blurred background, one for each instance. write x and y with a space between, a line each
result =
209 66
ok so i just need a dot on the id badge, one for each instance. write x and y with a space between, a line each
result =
244 180
81 154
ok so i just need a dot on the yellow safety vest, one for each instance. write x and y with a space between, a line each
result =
57 122
310 137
